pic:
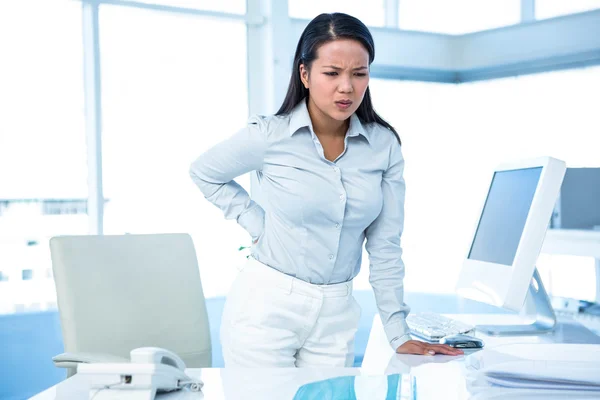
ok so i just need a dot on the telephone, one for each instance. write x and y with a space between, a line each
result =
151 370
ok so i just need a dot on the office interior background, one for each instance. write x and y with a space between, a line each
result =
104 104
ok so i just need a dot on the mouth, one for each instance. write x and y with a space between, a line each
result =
343 104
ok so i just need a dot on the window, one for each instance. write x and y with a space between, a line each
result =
67 206
370 13
568 276
170 92
554 8
42 140
454 135
458 16
228 6
423 113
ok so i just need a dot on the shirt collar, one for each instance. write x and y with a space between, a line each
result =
299 118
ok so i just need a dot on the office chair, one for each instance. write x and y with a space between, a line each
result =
117 293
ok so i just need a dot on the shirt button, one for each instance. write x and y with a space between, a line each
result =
331 256
336 169
342 197
337 225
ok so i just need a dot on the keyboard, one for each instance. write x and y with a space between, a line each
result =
432 327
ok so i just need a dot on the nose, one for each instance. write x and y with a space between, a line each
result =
345 85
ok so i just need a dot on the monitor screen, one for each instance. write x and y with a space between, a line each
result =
504 214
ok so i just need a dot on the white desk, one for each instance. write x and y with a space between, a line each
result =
438 377
442 377
221 384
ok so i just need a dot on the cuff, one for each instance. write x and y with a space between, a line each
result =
397 333
252 220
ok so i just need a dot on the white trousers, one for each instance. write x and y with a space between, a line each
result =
274 320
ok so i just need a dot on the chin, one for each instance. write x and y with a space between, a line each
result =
340 115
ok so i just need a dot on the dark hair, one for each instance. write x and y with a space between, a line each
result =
326 28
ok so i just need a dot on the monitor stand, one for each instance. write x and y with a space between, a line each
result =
544 317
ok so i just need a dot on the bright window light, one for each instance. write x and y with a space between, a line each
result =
458 16
554 8
169 94
369 12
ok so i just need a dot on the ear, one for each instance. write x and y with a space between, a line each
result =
304 75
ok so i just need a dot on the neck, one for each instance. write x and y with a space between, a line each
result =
325 125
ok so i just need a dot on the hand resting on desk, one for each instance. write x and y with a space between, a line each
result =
427 349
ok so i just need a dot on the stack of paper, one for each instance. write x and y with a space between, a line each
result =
569 367
545 375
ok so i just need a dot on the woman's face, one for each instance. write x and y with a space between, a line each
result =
338 78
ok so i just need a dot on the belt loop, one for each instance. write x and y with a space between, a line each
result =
290 286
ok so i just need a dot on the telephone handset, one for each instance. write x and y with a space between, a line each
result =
156 355
151 369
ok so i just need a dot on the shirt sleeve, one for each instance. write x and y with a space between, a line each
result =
385 253
213 172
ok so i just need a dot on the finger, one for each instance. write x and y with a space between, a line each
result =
444 349
453 349
424 348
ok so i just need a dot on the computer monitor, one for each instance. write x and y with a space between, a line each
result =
507 240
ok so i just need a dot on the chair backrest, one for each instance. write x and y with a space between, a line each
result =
117 293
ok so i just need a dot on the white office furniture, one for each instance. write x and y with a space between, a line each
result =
574 242
117 293
437 377
221 384
378 348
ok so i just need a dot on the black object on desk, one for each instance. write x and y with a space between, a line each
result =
462 341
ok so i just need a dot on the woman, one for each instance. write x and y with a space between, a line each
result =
330 171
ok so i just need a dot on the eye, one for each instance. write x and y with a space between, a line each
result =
331 73
361 74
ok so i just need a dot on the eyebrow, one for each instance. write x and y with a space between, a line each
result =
338 68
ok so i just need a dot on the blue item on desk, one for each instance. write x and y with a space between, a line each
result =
398 387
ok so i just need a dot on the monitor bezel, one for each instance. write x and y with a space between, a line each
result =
503 285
